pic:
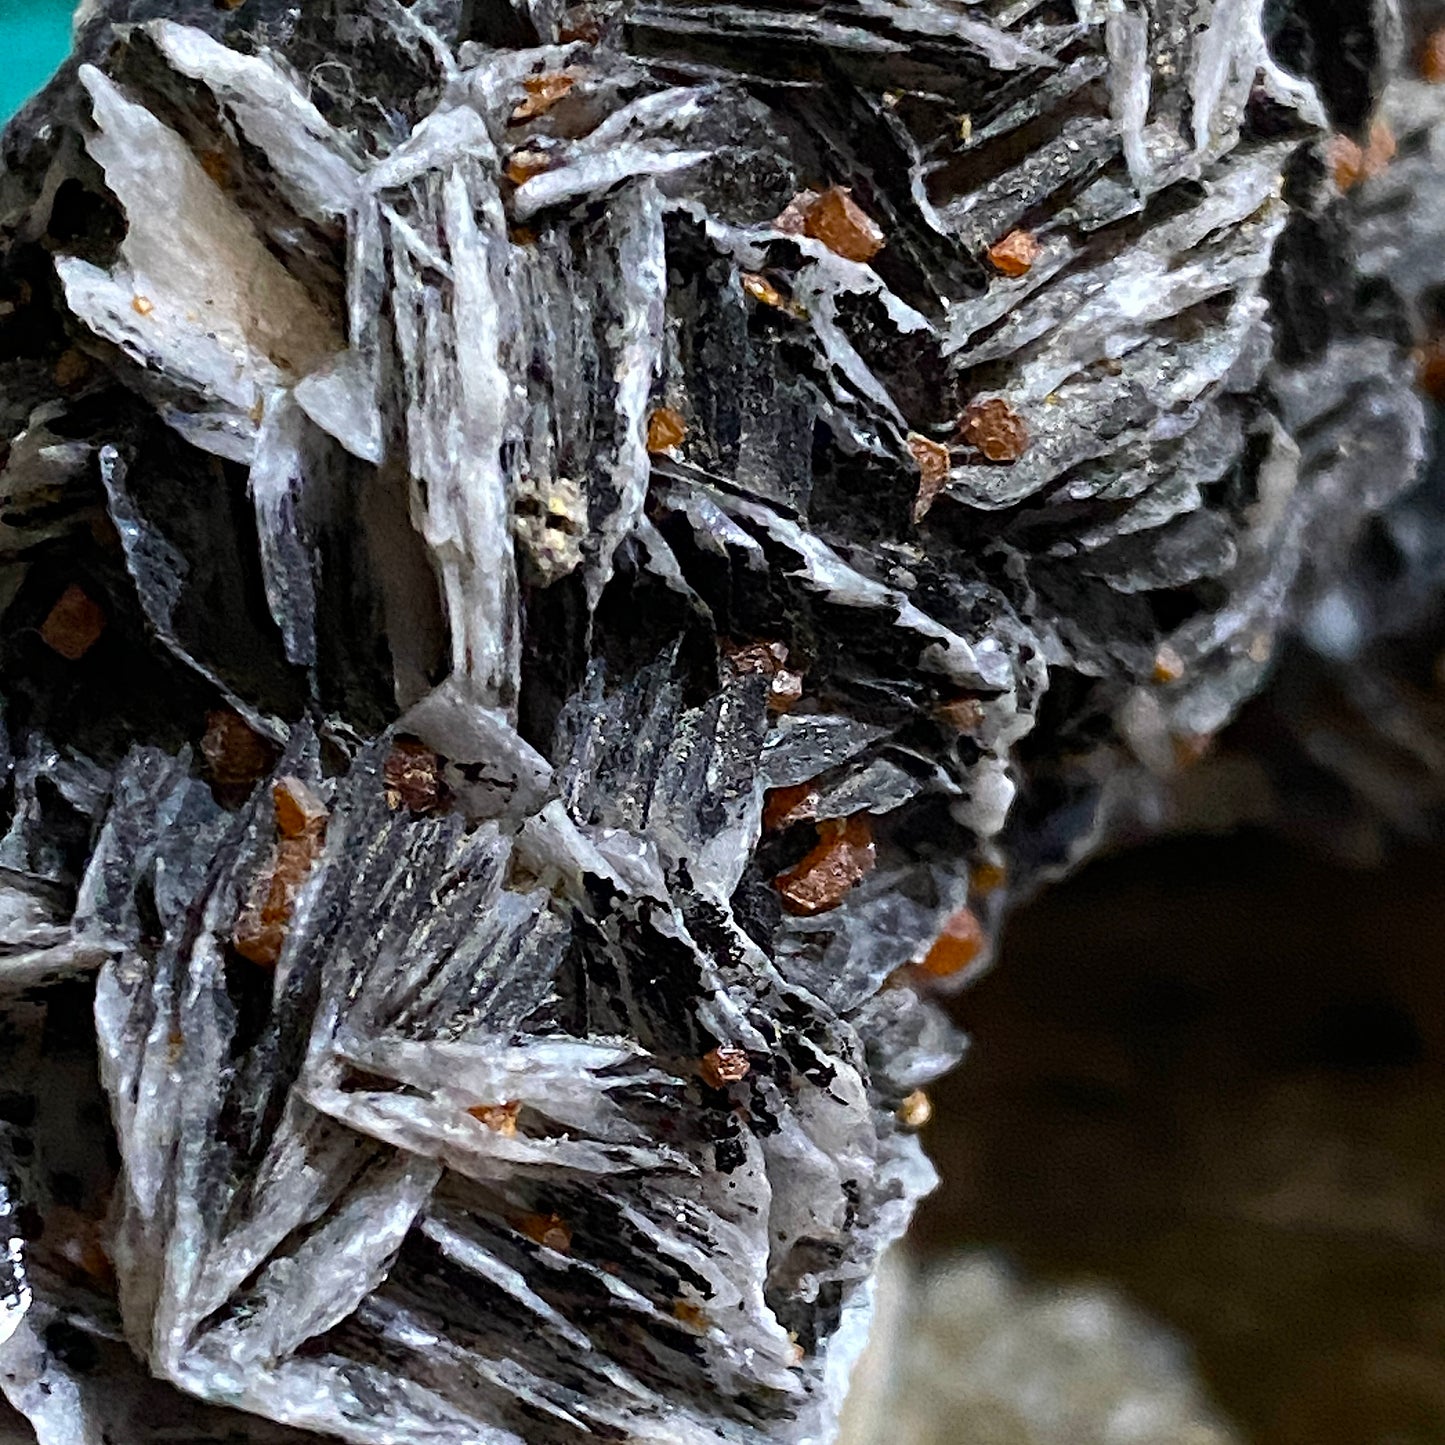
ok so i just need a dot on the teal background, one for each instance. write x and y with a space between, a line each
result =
34 39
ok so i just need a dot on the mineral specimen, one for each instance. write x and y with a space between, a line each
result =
509 449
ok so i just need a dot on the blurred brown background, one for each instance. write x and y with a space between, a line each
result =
1212 1074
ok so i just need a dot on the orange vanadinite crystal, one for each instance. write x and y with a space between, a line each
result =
73 626
786 691
794 216
987 878
665 430
693 1316
1351 163
72 367
1430 370
412 778
1168 665
725 1064
1191 748
525 163
580 22
961 714
915 1110
841 224
761 289
995 429
499 1118
785 688
1346 161
1432 58
235 755
933 459
956 947
299 812
543 92
260 931
782 807
549 1230
843 856
1015 254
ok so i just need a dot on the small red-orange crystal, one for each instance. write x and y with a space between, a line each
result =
74 624
995 429
961 714
525 163
500 1118
235 756
725 1064
412 777
665 430
299 812
785 688
959 943
1015 254
261 927
933 459
1432 58
548 1230
843 856
1351 163
782 807
761 289
543 92
1168 665
842 225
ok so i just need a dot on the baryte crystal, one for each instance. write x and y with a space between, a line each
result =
547 628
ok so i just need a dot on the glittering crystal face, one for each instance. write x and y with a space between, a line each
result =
567 523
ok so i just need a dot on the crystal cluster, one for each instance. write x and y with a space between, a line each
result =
558 566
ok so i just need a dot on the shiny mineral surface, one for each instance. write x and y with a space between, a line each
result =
547 571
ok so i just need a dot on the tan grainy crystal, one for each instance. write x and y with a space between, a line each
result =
987 878
1351 163
261 927
579 22
1430 369
771 659
1432 58
793 218
786 690
71 368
